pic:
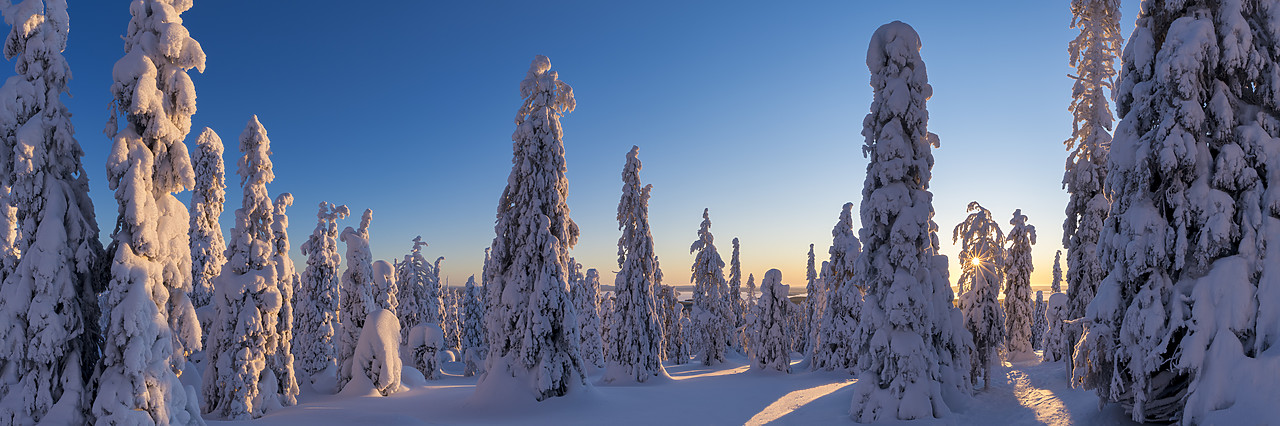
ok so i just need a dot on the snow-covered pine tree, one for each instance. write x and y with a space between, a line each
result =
207 199
586 302
413 276
240 381
751 295
811 316
1190 305
1056 287
280 357
1017 289
638 336
533 331
982 266
316 301
1056 344
1038 324
473 336
842 298
771 346
152 325
356 297
736 304
710 332
1093 54
49 330
910 344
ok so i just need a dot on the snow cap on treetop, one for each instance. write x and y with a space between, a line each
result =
892 40
383 272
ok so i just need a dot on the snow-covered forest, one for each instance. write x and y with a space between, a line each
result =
190 309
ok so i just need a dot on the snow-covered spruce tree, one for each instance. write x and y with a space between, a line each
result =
1038 323
750 304
842 298
356 297
982 266
240 381
280 359
413 276
1190 303
1056 346
710 330
1017 288
316 301
638 336
811 316
1056 287
533 330
152 325
606 323
49 331
473 336
911 347
736 304
451 321
771 346
1093 54
674 348
207 199
586 302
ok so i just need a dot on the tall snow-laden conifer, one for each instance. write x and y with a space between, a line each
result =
152 324
241 381
710 331
982 266
1017 287
49 334
356 296
842 299
811 316
280 359
736 304
1038 323
1056 287
1191 298
451 321
316 301
533 331
207 200
638 336
771 346
417 289
473 337
1093 54
911 347
586 302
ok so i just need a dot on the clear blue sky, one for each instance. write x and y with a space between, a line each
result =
753 109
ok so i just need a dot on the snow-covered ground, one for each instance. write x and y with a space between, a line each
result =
1025 393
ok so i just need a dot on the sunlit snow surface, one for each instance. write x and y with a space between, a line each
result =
1025 393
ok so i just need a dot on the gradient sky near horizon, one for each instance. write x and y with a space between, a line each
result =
752 109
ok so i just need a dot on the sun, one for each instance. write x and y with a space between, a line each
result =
976 262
